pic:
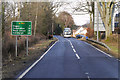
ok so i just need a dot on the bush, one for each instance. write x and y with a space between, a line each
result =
112 38
117 30
50 37
9 42
8 47
90 32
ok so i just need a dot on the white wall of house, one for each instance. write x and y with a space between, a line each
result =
81 31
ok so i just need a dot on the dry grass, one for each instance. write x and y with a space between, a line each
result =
112 42
103 49
12 68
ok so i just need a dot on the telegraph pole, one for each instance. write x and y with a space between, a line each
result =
52 24
36 20
1 39
97 24
16 54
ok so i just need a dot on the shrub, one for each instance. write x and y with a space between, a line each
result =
90 32
50 37
8 45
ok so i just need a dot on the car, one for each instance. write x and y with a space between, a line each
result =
67 32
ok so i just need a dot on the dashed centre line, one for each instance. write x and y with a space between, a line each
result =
88 76
73 49
72 46
118 59
77 56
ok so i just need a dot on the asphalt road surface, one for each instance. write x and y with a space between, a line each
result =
72 58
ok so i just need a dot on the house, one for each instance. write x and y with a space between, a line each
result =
80 31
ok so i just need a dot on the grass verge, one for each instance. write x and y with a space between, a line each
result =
113 46
12 68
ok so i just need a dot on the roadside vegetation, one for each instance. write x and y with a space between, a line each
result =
12 68
45 23
112 43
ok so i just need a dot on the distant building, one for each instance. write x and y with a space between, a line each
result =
116 20
80 31
74 33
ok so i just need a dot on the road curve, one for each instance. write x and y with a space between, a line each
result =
72 58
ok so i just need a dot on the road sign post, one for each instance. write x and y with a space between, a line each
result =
27 46
16 47
97 25
21 28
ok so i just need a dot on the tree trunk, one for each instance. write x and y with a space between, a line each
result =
0 38
36 21
110 27
18 11
91 26
0 12
3 20
105 16
107 22
102 13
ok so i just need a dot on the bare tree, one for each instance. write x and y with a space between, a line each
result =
55 7
36 19
82 8
66 18
105 9
0 39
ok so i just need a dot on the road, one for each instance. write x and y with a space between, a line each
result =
72 58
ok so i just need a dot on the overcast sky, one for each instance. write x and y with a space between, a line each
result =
80 19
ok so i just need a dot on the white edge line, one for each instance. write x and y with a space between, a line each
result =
98 49
104 52
24 73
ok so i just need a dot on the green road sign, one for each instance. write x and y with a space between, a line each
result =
21 28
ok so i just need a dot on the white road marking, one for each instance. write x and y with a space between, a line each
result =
86 73
88 77
118 59
98 49
73 49
72 46
104 52
77 56
70 42
26 71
